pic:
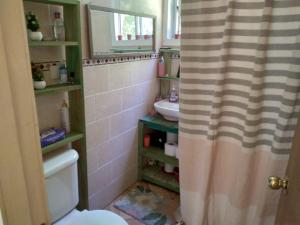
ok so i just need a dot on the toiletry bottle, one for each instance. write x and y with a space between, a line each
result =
63 74
173 95
161 67
58 27
65 123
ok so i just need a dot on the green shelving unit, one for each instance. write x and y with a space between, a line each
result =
159 123
168 78
73 58
169 50
52 43
155 174
58 88
165 81
56 2
71 137
157 154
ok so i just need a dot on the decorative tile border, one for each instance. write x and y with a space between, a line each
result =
45 66
118 59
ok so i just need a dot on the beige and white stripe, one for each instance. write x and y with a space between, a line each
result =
239 106
240 71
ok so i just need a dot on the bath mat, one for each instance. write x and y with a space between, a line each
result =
148 206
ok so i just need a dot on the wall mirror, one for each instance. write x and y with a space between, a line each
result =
117 32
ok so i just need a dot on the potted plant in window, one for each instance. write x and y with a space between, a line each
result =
138 37
120 37
129 36
33 27
38 78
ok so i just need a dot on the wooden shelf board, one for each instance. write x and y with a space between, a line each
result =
73 136
57 88
158 154
159 123
170 50
55 2
52 43
168 78
116 50
155 175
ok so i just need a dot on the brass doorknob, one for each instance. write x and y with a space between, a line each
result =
276 183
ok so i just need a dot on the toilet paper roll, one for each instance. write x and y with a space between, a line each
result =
171 149
169 168
172 137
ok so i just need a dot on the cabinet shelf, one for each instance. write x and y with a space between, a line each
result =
154 174
55 2
158 154
52 43
168 78
73 136
57 88
170 50
159 123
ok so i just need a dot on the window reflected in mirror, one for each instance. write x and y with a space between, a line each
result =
115 31
128 27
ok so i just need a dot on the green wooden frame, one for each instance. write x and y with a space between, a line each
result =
154 174
73 47
165 81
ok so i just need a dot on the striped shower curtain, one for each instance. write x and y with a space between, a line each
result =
239 104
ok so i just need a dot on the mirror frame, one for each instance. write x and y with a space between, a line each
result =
93 55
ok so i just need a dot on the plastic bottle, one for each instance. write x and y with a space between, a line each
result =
161 67
65 122
58 27
63 74
173 95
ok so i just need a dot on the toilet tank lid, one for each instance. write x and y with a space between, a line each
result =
59 161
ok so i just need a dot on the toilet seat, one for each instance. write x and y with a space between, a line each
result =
94 217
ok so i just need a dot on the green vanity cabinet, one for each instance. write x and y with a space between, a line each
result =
154 173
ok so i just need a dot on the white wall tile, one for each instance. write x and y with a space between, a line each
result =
95 79
89 80
97 133
110 150
90 111
92 160
130 139
102 73
108 103
132 96
99 179
113 111
119 76
116 125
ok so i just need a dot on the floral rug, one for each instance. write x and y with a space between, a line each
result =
148 206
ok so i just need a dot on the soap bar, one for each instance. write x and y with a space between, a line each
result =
51 135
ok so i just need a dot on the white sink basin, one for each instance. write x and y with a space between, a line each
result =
169 110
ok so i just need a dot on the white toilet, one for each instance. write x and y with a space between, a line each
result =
62 188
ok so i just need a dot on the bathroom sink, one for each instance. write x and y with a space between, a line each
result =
169 110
